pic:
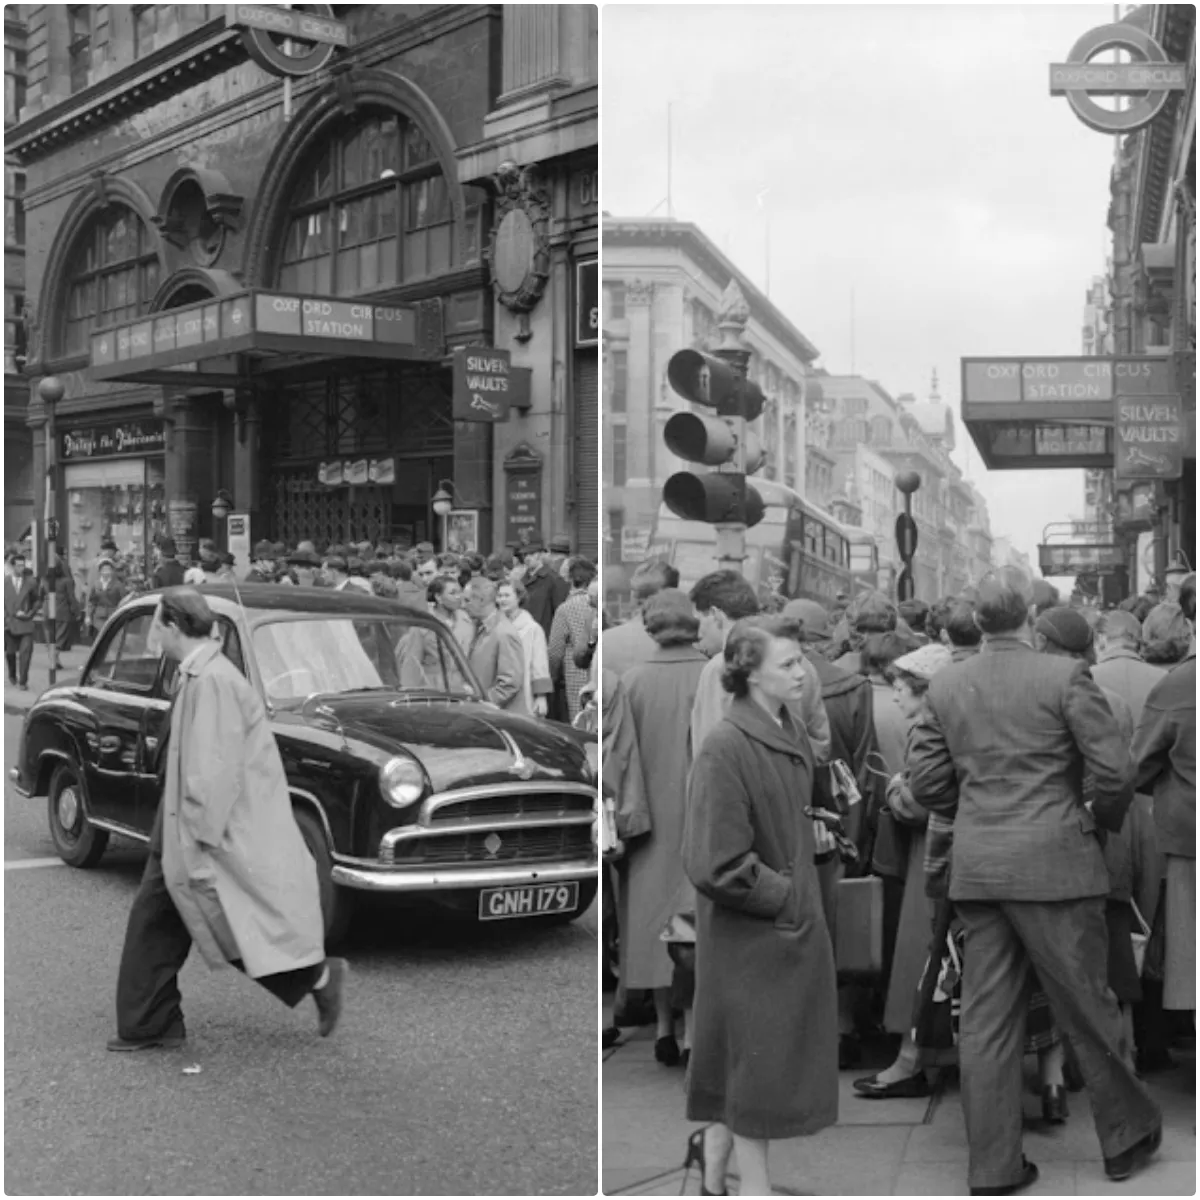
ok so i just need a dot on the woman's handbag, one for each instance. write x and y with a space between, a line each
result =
938 999
611 846
1140 937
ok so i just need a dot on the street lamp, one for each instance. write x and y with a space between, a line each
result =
442 501
222 505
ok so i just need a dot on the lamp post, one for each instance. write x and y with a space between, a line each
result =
906 535
51 390
442 503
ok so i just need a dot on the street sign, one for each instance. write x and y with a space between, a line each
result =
994 381
906 536
293 41
1150 80
1065 559
1149 441
481 379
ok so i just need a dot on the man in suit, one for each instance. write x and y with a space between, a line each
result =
629 645
495 650
1002 747
20 601
169 571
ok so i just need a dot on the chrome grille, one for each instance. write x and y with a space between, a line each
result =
535 804
531 843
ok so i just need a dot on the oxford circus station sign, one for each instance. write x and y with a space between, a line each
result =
294 41
1150 80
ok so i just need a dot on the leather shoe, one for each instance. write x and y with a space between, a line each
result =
610 1037
1029 1176
666 1051
914 1087
1121 1166
1054 1104
329 998
164 1041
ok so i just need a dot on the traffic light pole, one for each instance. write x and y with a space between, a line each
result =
731 536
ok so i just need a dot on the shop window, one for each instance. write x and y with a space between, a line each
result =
371 209
113 275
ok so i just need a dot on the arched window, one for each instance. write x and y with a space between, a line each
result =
370 209
112 275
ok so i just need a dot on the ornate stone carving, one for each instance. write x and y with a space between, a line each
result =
639 294
734 311
519 245
33 339
197 209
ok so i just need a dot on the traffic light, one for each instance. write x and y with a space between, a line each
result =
722 441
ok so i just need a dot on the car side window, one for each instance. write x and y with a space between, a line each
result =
231 647
126 661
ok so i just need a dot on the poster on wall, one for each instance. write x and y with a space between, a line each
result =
462 531
237 532
181 520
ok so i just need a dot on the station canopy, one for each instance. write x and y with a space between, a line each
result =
1030 413
225 341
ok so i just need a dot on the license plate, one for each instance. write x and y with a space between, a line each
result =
537 900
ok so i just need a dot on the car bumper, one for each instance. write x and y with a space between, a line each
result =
15 777
396 882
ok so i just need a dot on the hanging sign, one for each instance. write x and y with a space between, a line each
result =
1150 81
293 41
1149 441
123 439
181 520
481 384
587 303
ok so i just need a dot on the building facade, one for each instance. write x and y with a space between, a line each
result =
414 193
662 286
1152 282
18 441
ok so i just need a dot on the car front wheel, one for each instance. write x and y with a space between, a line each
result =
78 843
336 903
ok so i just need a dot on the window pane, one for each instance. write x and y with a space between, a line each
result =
287 279
145 21
418 204
388 266
347 281
439 200
414 256
368 273
321 277
439 249
350 223
149 282
388 204
417 147
352 161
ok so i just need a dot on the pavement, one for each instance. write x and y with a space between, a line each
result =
465 1062
18 702
878 1147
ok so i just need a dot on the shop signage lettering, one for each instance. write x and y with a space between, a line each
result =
127 439
481 384
1011 381
587 303
288 42
335 319
523 506
1150 441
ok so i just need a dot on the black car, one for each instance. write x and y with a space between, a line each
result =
404 780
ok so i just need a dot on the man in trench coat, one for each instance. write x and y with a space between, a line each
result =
228 867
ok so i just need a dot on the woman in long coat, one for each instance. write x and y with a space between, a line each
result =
661 693
764 1054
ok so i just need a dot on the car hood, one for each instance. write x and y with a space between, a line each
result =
458 744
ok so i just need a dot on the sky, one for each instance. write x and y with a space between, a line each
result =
912 158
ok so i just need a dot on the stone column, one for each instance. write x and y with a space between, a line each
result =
191 458
473 476
247 473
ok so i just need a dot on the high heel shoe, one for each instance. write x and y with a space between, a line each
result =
666 1051
695 1158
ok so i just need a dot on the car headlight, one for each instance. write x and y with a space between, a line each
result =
402 781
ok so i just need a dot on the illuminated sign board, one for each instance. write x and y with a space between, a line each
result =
1066 559
1028 413
180 339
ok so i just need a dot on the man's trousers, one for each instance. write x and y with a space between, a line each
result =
1066 942
18 651
156 946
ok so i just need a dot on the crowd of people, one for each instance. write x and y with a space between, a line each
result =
1010 777
526 617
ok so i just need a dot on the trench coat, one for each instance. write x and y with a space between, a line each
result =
765 1025
661 693
234 860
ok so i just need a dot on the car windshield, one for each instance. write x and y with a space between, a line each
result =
347 654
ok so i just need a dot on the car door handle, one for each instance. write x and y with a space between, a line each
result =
151 743
110 744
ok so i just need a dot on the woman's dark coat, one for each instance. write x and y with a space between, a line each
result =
764 1047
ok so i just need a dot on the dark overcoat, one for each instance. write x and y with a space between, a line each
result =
765 1031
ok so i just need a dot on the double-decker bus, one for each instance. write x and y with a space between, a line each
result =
797 549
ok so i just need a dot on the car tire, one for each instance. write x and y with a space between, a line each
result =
337 903
587 895
78 843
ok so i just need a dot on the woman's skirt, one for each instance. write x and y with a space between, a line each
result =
1179 965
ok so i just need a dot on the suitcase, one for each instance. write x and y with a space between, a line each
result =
858 948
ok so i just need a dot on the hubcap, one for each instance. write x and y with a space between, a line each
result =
68 808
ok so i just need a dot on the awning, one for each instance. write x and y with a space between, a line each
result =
228 340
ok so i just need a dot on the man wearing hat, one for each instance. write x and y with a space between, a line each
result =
305 564
263 557
545 589
169 571
999 747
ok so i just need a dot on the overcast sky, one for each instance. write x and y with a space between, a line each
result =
910 153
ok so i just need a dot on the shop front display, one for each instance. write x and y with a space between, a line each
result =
114 482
